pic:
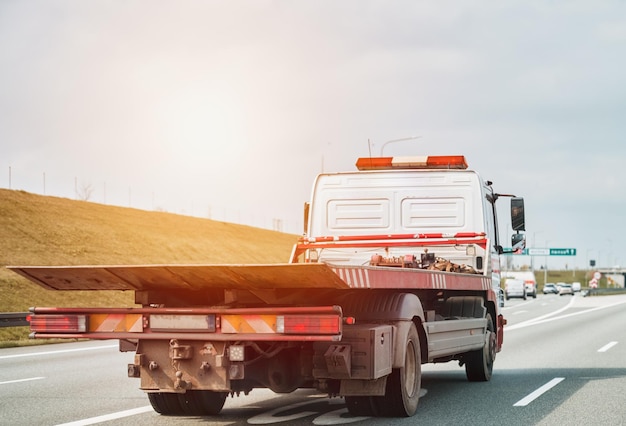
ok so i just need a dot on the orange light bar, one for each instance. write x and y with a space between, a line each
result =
373 163
415 162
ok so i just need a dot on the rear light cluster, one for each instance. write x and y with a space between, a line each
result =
58 323
308 324
290 324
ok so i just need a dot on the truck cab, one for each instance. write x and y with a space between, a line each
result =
407 197
411 196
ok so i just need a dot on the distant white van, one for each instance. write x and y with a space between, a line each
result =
529 280
576 286
514 288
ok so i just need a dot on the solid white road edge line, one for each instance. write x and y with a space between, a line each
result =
607 346
543 317
537 321
107 417
62 351
21 380
536 394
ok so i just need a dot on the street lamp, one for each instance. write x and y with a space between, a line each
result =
600 257
545 269
397 140
587 264
532 258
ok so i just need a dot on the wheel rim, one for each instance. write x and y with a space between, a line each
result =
492 347
410 369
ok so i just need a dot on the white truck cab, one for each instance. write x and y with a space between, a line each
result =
417 196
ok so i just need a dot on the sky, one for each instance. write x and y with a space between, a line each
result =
229 109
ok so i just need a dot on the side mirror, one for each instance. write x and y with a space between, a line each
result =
518 222
518 242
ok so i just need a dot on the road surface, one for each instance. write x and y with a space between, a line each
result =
563 363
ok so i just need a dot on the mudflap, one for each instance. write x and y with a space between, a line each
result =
361 361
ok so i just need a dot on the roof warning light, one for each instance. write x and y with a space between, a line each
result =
414 162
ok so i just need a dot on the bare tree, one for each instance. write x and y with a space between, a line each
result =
84 192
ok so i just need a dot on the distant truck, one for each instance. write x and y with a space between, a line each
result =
399 266
528 277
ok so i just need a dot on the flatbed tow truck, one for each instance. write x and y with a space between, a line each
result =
399 266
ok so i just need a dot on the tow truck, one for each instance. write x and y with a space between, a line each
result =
399 266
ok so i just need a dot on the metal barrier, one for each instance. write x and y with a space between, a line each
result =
14 319
602 291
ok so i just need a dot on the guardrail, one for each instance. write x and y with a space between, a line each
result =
602 291
14 319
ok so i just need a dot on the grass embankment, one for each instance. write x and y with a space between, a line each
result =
42 230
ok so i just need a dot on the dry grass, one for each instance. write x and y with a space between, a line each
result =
41 230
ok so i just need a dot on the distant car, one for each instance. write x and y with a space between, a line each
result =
514 288
531 288
576 287
566 289
550 288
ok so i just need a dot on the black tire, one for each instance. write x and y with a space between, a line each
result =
165 403
403 384
479 363
202 402
362 405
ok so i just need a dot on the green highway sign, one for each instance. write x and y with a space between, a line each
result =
562 252
545 251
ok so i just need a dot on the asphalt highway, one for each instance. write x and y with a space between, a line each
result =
563 363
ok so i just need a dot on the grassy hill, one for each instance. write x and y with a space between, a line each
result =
42 230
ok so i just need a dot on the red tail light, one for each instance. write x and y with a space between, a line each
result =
310 324
58 323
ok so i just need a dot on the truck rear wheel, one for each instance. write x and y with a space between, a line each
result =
479 363
403 384
202 402
362 405
191 403
165 403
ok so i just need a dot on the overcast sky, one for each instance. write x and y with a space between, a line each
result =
228 109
